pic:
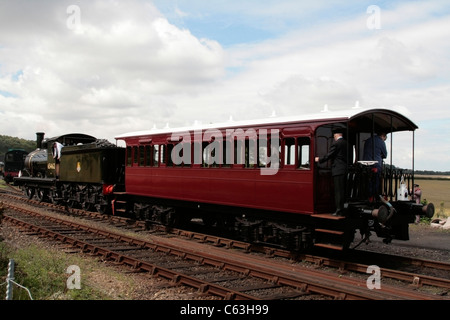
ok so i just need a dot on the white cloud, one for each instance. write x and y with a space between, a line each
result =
124 58
127 68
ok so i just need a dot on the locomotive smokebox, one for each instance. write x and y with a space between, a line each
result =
39 139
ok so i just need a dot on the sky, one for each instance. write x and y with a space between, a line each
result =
109 67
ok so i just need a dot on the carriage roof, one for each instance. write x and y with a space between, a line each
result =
358 119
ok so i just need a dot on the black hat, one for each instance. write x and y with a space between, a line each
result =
338 130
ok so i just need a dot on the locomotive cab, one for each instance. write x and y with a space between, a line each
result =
379 196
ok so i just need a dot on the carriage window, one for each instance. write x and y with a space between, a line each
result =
181 156
296 152
263 152
163 149
197 151
289 151
156 155
141 156
129 158
148 156
324 139
169 158
226 153
238 152
251 153
206 155
303 152
135 155
212 154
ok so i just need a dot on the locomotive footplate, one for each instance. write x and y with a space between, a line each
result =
34 182
38 186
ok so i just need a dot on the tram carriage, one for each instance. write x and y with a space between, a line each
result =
258 180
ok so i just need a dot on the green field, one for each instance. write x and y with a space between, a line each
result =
437 192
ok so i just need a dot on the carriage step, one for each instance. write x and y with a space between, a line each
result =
329 246
335 232
329 239
327 216
119 206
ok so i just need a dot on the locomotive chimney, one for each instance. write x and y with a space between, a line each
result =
39 139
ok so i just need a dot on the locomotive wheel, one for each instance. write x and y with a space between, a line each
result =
87 206
55 197
29 192
102 208
41 194
73 204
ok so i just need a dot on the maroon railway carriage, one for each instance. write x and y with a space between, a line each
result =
258 179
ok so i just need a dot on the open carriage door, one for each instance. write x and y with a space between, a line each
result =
324 186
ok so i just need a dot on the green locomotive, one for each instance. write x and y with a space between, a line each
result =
75 169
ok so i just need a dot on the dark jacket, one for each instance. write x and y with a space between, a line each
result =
338 154
375 149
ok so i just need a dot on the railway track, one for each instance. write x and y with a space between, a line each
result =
212 270
426 272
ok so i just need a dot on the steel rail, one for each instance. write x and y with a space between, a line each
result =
302 279
415 279
154 270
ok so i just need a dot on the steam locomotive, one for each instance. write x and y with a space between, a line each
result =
254 180
82 175
14 163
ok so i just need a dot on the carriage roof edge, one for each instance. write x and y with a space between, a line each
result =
385 119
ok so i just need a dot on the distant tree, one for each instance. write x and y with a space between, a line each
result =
7 142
